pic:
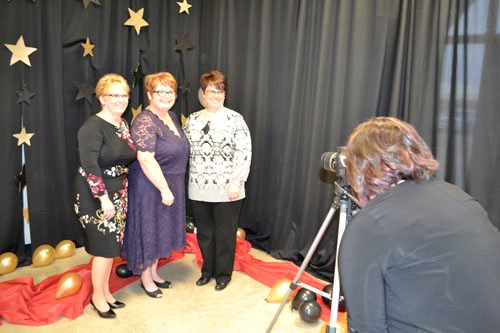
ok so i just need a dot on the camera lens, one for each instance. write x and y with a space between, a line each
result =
328 161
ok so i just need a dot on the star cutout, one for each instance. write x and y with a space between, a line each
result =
136 20
86 3
183 44
87 48
24 95
20 52
135 112
21 178
138 75
184 7
23 137
186 89
85 90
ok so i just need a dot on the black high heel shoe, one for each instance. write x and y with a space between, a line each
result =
155 294
165 285
108 314
116 305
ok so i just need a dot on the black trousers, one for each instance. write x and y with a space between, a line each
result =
217 223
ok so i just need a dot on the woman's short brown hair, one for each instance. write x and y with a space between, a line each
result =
382 151
153 80
214 78
107 80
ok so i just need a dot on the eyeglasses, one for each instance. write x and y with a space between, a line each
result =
163 93
117 96
214 92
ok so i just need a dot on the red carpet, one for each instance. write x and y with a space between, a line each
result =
22 302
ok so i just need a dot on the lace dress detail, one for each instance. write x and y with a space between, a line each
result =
154 229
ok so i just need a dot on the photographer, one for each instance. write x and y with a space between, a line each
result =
421 255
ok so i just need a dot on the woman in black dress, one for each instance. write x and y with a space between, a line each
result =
105 150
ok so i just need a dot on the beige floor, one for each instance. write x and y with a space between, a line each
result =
185 308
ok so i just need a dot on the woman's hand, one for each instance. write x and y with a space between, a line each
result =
167 198
234 191
107 207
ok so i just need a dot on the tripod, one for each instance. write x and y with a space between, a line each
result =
341 200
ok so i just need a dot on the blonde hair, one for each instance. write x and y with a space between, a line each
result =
153 80
107 80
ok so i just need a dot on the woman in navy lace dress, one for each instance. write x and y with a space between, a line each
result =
105 149
156 220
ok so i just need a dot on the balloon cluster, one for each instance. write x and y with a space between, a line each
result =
305 302
45 255
42 256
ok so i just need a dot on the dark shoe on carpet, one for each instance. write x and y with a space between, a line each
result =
203 281
155 294
108 314
165 284
221 285
116 305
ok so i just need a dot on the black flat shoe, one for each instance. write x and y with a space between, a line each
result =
221 285
108 314
203 281
155 294
164 285
116 305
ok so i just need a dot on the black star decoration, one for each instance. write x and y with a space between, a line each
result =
85 90
182 44
21 178
138 75
86 3
24 95
185 89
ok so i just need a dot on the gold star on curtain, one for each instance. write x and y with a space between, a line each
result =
136 20
135 112
23 137
87 48
20 52
184 7
86 3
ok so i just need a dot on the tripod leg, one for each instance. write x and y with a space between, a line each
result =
336 281
310 253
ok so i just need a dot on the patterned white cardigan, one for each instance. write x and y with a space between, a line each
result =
221 152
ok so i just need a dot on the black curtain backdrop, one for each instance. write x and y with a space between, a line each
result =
302 73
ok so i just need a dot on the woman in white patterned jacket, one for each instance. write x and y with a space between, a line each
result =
219 164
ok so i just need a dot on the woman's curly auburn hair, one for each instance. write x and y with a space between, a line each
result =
382 151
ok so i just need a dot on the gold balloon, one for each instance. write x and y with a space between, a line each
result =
69 284
43 255
241 232
279 290
65 248
8 262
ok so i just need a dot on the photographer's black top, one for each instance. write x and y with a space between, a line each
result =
421 258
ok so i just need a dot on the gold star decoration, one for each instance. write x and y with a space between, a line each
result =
23 137
184 7
135 112
86 3
136 20
87 48
20 52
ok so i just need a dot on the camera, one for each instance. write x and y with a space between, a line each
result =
335 161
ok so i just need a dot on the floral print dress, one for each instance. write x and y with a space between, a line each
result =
105 153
